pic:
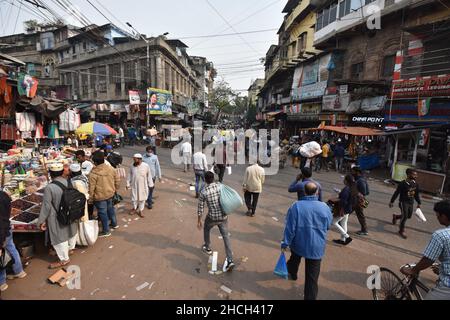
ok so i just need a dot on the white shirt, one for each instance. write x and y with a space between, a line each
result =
200 162
86 168
186 147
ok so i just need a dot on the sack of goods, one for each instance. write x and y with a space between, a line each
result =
115 159
310 149
230 200
87 233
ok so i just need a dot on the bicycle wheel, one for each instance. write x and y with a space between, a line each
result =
391 287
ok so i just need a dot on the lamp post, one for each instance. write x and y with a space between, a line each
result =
148 60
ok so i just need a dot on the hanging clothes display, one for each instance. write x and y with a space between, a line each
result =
54 132
68 121
25 121
5 98
8 132
39 131
27 85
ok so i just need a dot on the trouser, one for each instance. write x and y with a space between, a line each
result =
341 224
251 200
339 161
223 228
221 172
62 249
361 218
150 193
407 212
186 161
11 248
324 163
199 180
91 211
312 272
122 142
138 205
438 293
106 212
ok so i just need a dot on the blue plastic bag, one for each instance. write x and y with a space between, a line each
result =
281 267
230 200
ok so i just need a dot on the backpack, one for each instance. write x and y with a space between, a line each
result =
72 205
115 159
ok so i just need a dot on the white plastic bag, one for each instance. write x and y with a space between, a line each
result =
420 216
310 149
229 170
230 200
87 233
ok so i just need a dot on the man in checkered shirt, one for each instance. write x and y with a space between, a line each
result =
438 249
216 217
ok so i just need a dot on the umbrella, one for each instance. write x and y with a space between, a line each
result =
96 128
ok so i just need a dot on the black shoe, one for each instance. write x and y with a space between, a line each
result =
249 213
362 233
340 242
292 276
228 265
207 250
348 241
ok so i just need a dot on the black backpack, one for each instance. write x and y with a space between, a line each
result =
115 159
72 205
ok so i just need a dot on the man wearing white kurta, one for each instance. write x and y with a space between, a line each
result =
140 181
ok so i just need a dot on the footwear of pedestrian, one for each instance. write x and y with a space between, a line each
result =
249 213
149 207
21 275
207 250
228 265
394 219
132 212
340 242
141 214
403 234
362 233
104 234
3 287
115 227
58 264
348 241
196 196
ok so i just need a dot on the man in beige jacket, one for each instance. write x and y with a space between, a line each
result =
103 185
253 182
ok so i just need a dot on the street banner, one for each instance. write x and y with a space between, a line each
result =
421 87
159 102
135 98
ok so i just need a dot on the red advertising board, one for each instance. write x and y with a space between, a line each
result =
435 86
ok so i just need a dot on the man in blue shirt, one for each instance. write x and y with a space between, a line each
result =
339 153
302 179
363 189
307 225
437 249
153 162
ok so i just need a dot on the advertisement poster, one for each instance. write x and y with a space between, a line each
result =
135 98
434 86
159 102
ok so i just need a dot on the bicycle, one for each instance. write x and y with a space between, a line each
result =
392 287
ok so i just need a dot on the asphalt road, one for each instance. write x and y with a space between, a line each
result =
162 251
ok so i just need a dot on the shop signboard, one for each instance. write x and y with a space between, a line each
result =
336 102
315 90
434 86
135 98
362 119
159 102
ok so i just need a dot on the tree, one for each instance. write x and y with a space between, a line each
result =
220 99
251 115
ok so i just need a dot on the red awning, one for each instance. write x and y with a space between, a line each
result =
353 131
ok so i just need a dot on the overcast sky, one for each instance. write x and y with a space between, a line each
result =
236 57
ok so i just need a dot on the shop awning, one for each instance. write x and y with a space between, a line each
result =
9 58
353 131
412 129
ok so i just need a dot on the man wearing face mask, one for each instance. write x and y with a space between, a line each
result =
139 181
151 159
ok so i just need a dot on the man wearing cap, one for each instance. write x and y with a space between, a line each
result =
140 181
103 185
151 159
86 165
62 238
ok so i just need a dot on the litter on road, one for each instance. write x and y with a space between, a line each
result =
274 218
110 247
95 291
125 226
244 259
142 286
136 219
132 276
151 285
226 289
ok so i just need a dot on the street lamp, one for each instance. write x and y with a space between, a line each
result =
148 59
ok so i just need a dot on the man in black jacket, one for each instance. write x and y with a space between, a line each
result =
408 190
363 188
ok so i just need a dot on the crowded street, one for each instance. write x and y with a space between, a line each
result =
164 248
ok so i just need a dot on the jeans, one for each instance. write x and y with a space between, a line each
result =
361 218
221 172
150 194
106 212
223 228
339 161
17 266
251 203
312 272
407 212
199 180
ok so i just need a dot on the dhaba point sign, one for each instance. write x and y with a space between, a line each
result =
434 86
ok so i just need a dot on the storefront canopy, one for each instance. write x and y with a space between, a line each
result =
353 131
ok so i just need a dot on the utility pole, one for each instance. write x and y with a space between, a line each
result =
148 62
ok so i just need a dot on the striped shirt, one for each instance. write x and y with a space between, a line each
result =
439 249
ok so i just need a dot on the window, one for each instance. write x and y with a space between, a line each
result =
302 41
369 1
47 41
144 72
319 22
84 46
326 17
115 75
130 75
356 4
74 50
357 70
84 84
101 87
388 66
333 12
344 8
93 75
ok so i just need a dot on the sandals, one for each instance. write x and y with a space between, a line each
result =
59 264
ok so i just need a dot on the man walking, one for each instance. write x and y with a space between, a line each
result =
200 167
409 191
103 185
339 153
307 225
302 179
363 189
216 217
62 237
324 157
151 159
121 137
186 153
253 181
140 181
